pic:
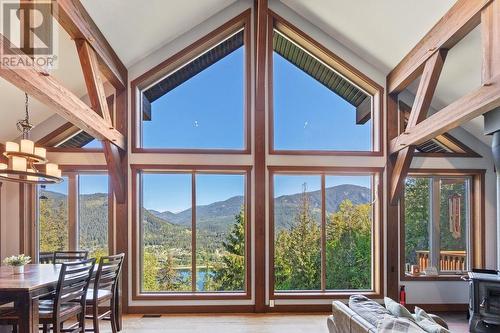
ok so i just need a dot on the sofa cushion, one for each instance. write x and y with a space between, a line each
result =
391 324
367 309
427 323
397 309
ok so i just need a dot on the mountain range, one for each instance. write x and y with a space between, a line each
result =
213 220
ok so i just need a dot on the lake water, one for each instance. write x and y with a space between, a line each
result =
200 277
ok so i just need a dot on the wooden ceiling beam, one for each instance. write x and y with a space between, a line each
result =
61 100
93 80
95 88
470 106
463 17
421 105
77 22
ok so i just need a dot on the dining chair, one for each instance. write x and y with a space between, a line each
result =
68 256
46 257
103 292
69 300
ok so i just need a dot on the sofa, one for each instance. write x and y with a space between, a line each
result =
346 320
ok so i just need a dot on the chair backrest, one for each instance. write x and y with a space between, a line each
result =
46 257
108 273
74 280
68 256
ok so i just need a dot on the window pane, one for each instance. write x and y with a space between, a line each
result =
348 232
204 112
315 108
297 232
93 214
220 232
93 144
166 232
453 227
53 216
417 221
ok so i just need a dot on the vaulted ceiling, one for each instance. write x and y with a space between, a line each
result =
381 32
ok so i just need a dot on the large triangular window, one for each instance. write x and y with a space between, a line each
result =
200 104
316 107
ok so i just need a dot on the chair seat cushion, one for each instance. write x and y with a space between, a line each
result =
7 312
46 309
102 294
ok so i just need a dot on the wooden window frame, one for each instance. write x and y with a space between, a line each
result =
477 221
331 60
242 21
72 172
137 235
377 231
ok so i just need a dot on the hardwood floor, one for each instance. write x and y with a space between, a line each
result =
240 323
457 322
246 323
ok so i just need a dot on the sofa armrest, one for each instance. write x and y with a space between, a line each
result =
345 320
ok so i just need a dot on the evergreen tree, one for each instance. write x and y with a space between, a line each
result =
230 273
53 225
167 276
297 254
348 247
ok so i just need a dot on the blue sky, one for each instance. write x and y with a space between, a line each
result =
172 192
309 116
206 111
88 184
292 184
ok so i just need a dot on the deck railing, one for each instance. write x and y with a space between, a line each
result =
448 260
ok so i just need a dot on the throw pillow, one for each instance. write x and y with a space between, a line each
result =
427 323
368 309
397 309
391 324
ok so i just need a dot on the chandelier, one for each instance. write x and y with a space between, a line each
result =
25 161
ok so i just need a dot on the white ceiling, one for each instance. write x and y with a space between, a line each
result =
136 28
382 32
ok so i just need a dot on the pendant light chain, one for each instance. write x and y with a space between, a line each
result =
24 125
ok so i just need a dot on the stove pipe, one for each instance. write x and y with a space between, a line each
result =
495 150
492 127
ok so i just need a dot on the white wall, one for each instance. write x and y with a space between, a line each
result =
9 222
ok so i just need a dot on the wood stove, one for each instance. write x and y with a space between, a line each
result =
484 302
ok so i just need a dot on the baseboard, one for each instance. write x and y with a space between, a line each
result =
454 307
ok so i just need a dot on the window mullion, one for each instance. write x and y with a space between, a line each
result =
193 232
323 233
435 222
73 211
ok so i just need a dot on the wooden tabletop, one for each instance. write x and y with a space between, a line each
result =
35 276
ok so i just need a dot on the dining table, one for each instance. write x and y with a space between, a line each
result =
24 290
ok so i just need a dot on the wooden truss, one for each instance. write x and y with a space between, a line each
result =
426 60
96 57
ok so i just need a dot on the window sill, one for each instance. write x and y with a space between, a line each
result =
191 296
441 277
341 294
